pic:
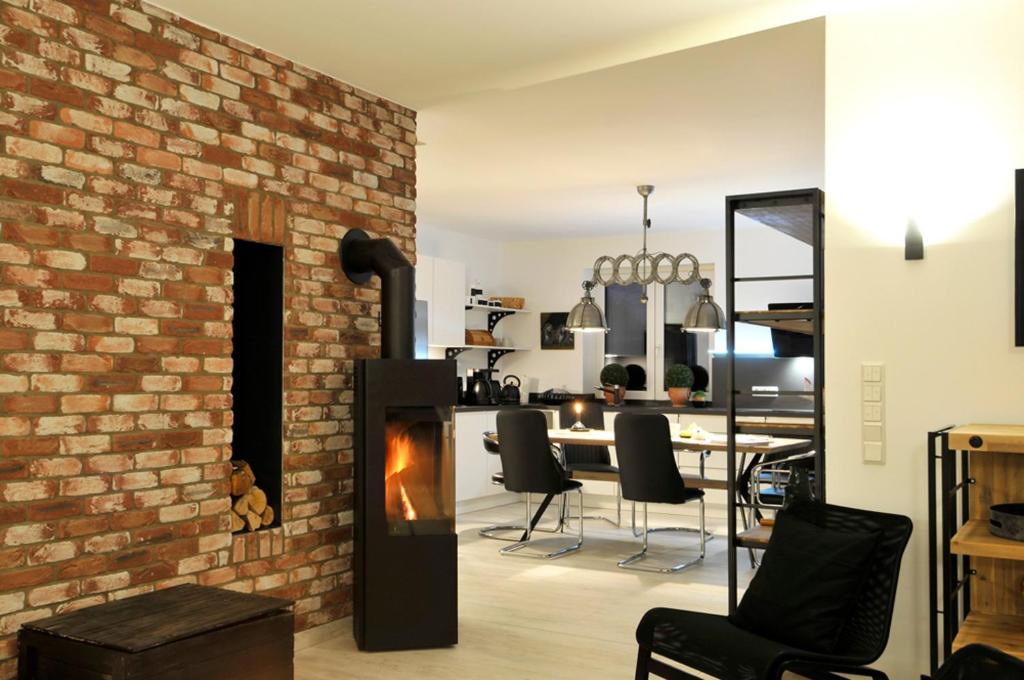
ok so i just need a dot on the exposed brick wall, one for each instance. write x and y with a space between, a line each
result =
133 146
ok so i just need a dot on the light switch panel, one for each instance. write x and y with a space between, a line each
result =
872 391
874 452
872 411
872 432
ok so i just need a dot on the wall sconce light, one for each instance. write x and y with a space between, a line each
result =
913 248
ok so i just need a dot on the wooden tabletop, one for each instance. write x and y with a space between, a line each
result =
995 438
744 443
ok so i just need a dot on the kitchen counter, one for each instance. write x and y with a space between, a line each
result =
655 406
467 408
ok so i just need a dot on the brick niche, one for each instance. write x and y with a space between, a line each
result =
134 146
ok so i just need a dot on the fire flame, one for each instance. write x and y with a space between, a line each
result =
408 511
399 457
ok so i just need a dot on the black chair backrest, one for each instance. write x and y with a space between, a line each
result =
526 459
647 465
593 417
866 631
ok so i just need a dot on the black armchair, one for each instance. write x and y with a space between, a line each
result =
717 646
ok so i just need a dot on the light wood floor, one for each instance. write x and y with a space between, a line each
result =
522 618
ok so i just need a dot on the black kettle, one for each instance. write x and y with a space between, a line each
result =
510 391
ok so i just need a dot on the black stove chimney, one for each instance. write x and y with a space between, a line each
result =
361 257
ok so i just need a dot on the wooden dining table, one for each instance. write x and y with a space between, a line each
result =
745 444
715 442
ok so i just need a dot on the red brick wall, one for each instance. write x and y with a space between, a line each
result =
133 146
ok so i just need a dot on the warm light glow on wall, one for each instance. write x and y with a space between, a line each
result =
938 160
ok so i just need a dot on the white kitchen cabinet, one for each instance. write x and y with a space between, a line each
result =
448 317
425 278
441 284
473 464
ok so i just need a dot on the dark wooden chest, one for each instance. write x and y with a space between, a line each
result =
187 631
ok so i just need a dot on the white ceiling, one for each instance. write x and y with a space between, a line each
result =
419 52
538 117
562 158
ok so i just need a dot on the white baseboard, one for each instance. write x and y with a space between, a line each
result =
314 636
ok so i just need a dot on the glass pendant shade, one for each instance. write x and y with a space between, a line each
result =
705 316
586 316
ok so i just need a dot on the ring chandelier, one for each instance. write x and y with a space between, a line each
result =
646 268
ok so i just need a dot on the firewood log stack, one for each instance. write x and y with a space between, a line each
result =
249 509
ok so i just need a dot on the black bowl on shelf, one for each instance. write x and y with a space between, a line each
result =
1007 521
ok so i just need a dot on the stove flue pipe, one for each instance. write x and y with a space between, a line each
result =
361 257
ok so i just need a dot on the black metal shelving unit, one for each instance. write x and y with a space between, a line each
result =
800 215
949 591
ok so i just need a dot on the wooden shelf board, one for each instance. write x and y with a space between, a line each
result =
1002 631
792 320
498 309
976 540
995 438
792 220
511 349
754 538
804 326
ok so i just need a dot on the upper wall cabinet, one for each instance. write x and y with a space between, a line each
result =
441 284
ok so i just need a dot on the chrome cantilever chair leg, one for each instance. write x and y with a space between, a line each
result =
632 561
617 522
519 545
490 531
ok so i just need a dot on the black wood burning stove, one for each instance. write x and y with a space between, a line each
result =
406 572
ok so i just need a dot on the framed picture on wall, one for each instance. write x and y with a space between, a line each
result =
553 333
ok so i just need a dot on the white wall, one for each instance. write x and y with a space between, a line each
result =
484 258
924 107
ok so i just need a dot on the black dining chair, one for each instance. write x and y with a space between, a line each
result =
529 467
495 531
588 462
722 648
649 474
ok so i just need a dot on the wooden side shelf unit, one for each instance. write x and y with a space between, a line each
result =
976 576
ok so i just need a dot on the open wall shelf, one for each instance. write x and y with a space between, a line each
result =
258 370
497 309
792 320
798 214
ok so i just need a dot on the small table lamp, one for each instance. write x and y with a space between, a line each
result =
578 426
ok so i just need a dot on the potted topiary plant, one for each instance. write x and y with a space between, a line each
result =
679 380
613 381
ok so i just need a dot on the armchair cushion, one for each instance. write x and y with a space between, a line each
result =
809 578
